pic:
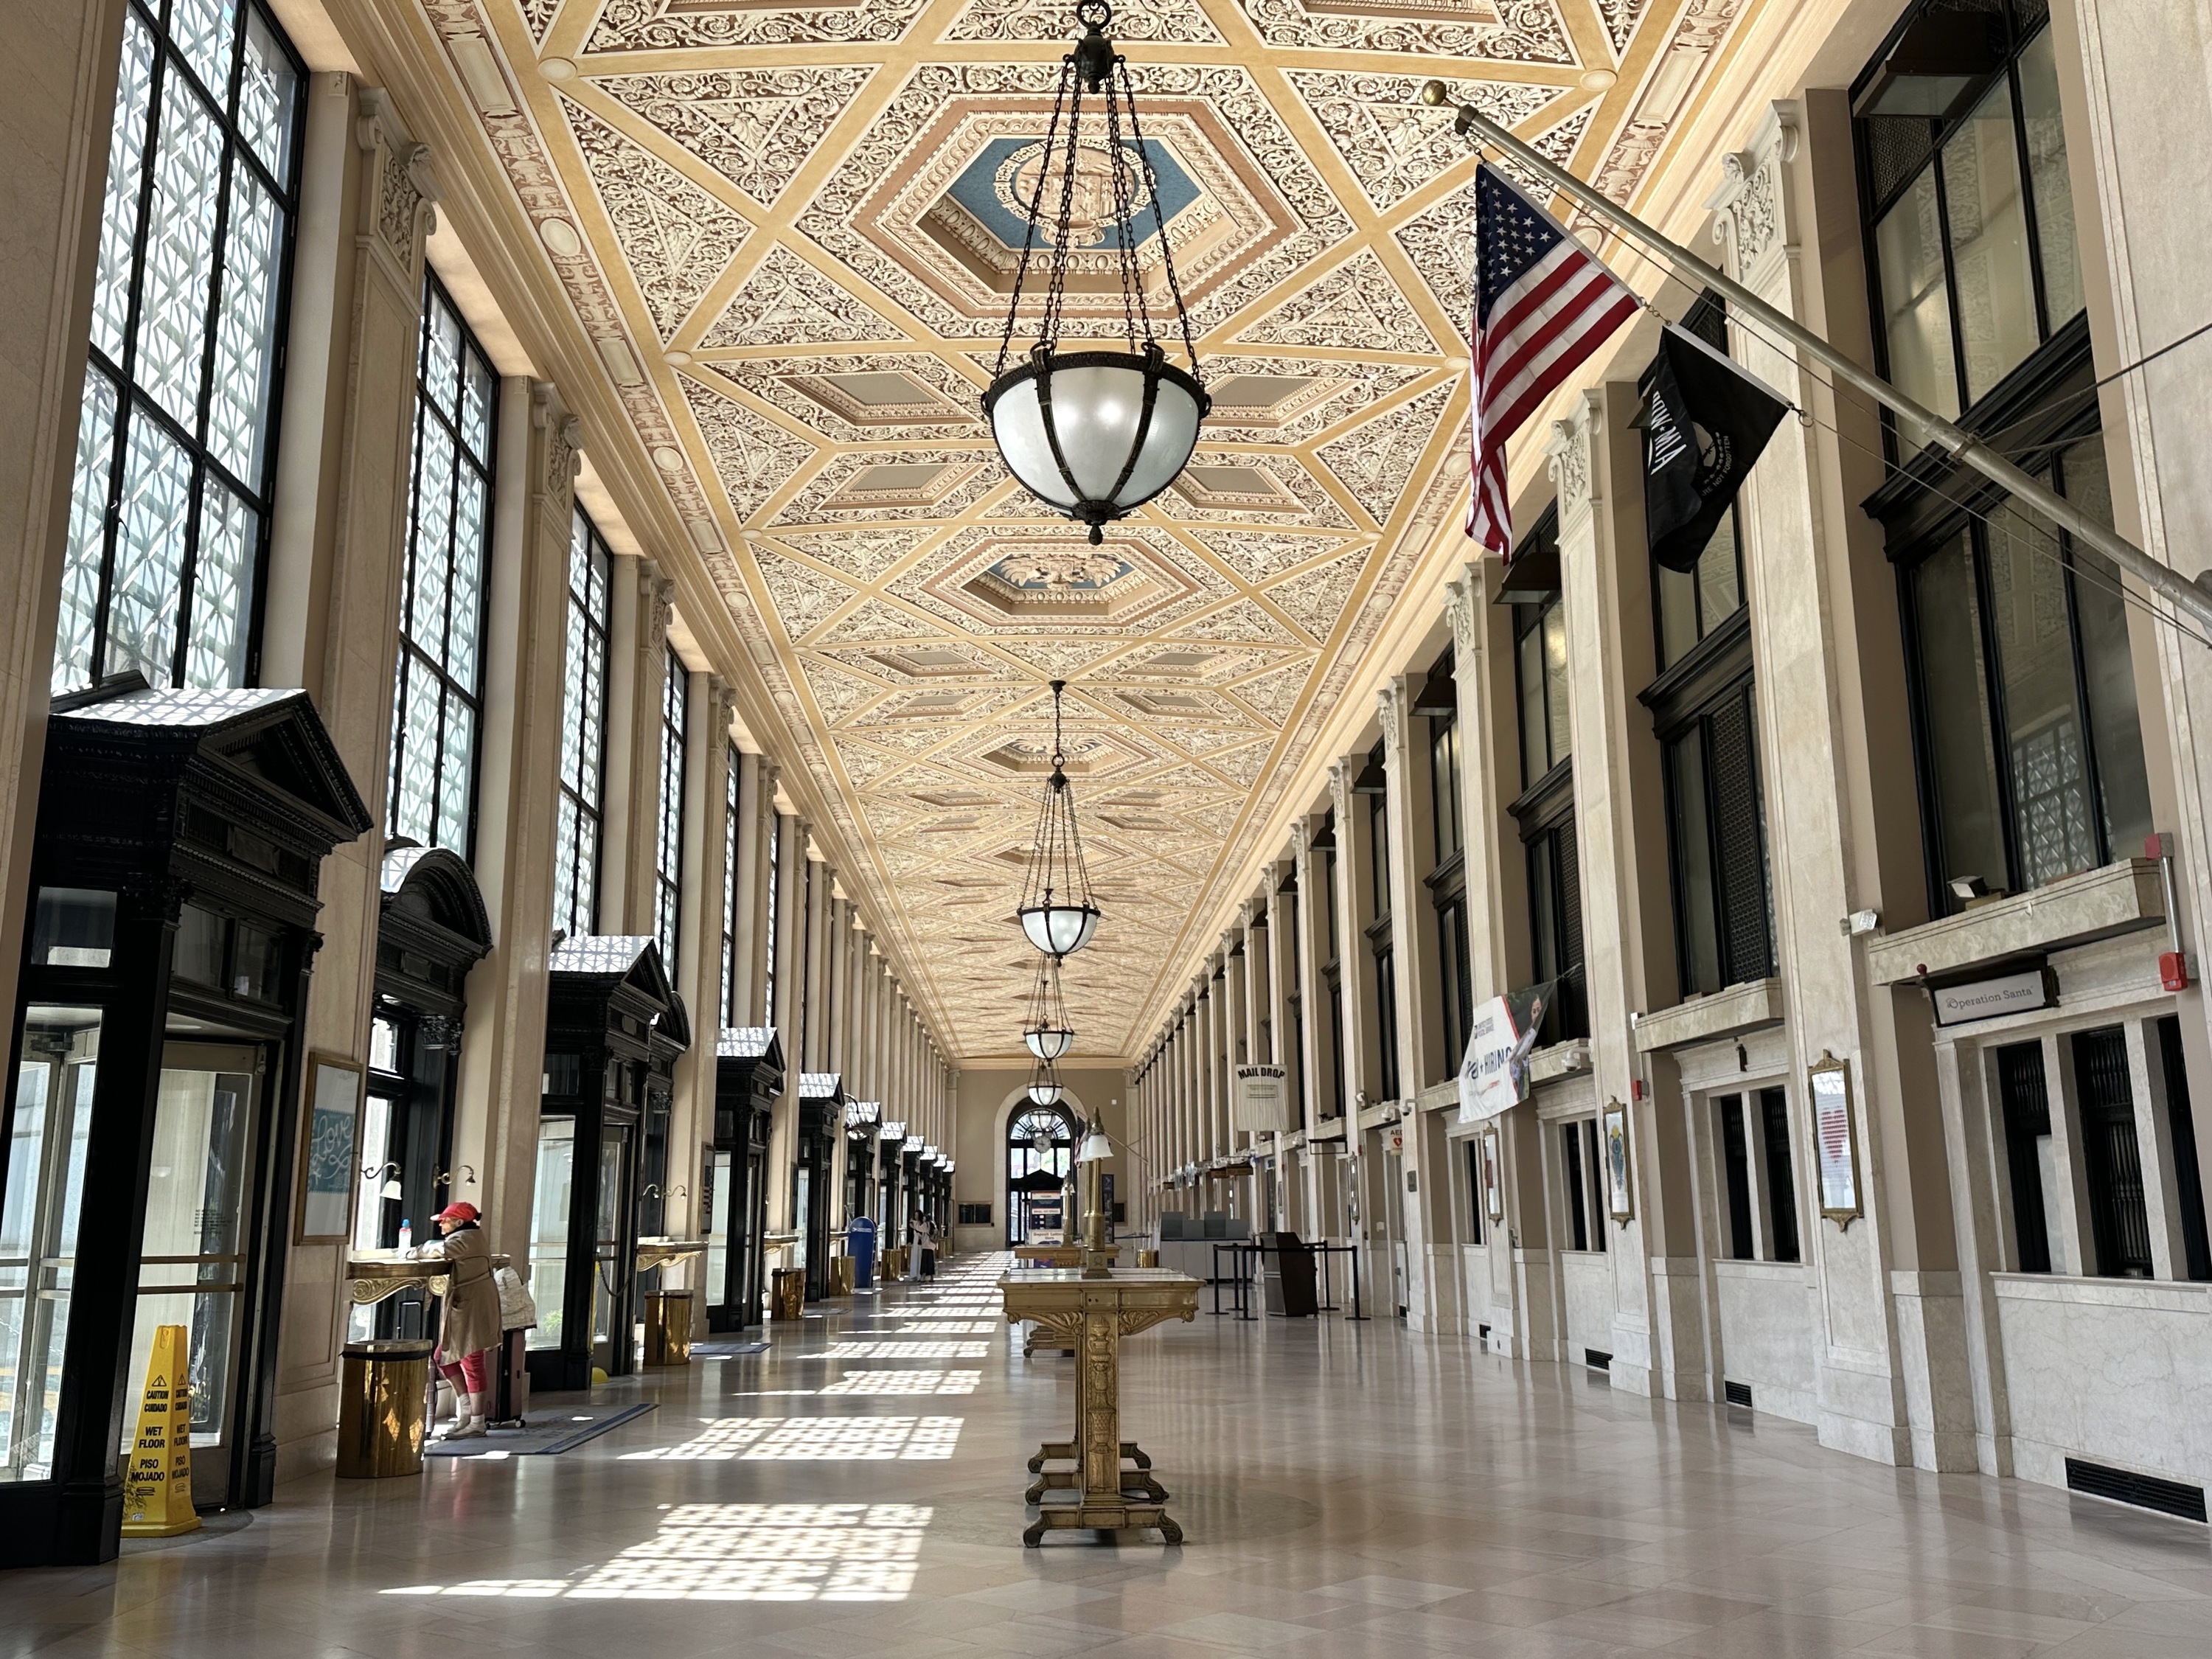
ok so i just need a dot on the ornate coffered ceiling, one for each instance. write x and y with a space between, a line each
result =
784 231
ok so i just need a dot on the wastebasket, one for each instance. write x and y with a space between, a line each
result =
841 1275
787 1293
668 1328
380 1411
860 1240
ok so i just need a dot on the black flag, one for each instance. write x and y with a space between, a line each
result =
1705 422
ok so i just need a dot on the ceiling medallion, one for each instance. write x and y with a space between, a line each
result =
1049 1032
1094 434
1057 911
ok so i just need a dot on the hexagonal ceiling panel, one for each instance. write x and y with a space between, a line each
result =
787 232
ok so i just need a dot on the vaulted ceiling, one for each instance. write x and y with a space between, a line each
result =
785 234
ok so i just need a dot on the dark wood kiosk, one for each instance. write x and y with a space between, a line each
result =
431 930
821 1101
748 1082
151 1125
612 1030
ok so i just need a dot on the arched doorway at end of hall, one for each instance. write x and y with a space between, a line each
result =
1040 1159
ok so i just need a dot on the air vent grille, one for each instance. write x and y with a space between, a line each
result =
1597 1361
1738 1394
2145 1492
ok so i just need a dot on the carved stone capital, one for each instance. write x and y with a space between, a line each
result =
398 207
1751 207
1340 774
563 439
1390 704
1569 457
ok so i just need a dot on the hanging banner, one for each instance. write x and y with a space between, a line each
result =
1493 1071
1263 1102
157 1477
1706 420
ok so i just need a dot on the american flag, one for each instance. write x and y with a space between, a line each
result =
1542 303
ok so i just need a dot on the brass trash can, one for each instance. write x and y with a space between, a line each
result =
1148 1258
386 1385
668 1328
841 1275
787 1296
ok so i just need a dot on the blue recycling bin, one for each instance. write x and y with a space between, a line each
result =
860 1245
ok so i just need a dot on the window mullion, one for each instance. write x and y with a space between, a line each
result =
2034 234
1950 271
1993 689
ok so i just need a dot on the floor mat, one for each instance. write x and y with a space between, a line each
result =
559 1429
726 1350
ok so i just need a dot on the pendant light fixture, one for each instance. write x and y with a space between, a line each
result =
1045 1088
1057 912
1095 433
1048 1033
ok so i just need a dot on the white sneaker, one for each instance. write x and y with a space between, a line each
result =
464 1431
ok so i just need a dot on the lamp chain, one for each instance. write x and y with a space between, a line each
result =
1030 219
1159 220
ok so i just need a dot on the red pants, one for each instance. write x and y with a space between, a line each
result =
472 1375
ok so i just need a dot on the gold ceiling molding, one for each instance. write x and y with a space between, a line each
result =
782 232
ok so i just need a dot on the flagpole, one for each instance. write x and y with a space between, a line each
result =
2194 596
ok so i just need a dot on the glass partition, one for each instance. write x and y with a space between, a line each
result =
549 1227
40 1206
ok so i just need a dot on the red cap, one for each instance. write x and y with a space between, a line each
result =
461 1211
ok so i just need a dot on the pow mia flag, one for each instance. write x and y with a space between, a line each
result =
1705 422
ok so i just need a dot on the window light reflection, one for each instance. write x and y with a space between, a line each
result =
906 1382
743 1553
812 1440
905 1349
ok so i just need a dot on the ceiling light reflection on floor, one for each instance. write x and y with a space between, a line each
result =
812 1440
743 1552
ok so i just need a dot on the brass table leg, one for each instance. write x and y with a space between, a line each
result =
1102 1504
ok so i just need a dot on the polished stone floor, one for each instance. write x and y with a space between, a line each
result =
1348 1490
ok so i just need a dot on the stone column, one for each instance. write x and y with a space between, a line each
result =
699 949
1826 642
791 999
1627 912
63 57
363 498
524 668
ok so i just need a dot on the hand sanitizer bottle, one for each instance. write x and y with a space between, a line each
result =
406 1238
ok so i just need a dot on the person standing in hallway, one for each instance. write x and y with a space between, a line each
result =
470 1329
925 1244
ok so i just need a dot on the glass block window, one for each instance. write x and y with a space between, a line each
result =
175 451
583 734
668 853
437 702
2030 744
731 777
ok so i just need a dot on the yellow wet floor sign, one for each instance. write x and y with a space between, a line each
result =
157 1480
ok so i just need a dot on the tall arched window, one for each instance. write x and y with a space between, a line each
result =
1040 1153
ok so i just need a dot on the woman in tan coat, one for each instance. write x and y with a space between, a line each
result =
469 1330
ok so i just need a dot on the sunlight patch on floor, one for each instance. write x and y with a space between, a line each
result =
812 1440
742 1553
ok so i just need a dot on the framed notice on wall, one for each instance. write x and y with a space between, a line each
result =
1612 1124
327 1176
1492 1184
1833 1141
